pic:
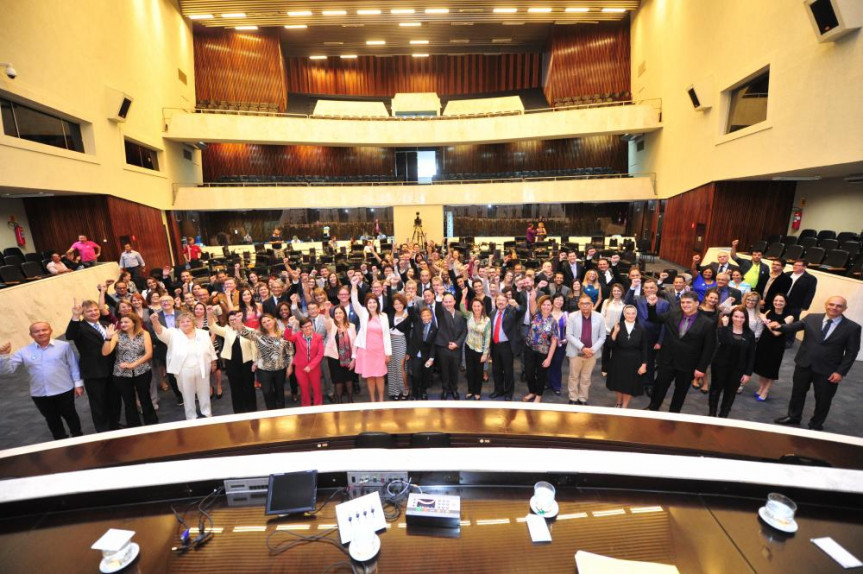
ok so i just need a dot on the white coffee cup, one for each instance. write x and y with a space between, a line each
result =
780 508
543 495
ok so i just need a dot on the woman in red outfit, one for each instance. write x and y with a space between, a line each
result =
308 354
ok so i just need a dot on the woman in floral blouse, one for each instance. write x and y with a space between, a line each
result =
540 344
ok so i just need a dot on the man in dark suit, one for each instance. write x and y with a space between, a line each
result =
802 289
420 355
505 322
673 292
725 292
721 265
571 268
277 297
830 345
655 332
608 275
452 331
87 331
755 271
687 350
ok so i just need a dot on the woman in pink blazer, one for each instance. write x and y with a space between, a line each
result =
341 335
308 354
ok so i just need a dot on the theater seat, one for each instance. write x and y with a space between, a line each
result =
835 261
794 252
828 244
11 275
808 233
32 270
14 251
814 255
13 260
807 242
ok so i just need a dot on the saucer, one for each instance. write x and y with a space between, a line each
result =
110 565
550 513
790 527
364 552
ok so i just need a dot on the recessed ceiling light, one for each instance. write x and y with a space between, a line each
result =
410 24
402 11
614 10
234 15
460 41
200 16
419 41
247 28
368 12
334 12
501 40
577 10
505 10
420 55
513 22
437 10
295 26
333 43
300 13
348 56
461 23
353 25
317 57
376 42
539 10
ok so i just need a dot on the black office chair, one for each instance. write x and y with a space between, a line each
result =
794 253
644 250
790 240
836 261
13 260
807 242
808 233
814 255
32 270
375 439
847 236
11 275
774 250
13 251
828 244
37 257
852 247
430 440
826 234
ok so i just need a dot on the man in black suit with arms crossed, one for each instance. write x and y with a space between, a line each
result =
830 345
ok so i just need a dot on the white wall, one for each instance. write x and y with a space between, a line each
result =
814 113
67 55
14 207
830 204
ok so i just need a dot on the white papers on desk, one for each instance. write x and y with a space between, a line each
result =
590 563
835 551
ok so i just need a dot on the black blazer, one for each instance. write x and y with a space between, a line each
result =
835 355
417 345
691 352
730 292
450 329
271 306
89 341
800 295
725 351
779 285
763 272
512 320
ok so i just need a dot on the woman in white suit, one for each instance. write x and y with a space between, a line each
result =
373 342
191 358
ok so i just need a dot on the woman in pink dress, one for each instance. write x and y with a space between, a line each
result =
373 348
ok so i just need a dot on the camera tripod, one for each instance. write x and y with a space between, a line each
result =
419 236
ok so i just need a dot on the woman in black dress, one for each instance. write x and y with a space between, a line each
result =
628 361
732 364
771 346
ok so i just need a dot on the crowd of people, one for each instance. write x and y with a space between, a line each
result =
403 320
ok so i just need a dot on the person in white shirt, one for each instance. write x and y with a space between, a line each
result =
56 265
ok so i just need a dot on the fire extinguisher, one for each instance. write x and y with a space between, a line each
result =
19 231
796 218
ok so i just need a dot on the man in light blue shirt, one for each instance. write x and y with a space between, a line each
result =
132 261
55 380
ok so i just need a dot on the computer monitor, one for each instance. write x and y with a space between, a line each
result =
292 492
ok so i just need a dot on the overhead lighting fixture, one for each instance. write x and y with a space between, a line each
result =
410 24
317 57
501 40
295 26
614 10
246 28
368 12
402 11
437 10
420 55
334 12
296 13
419 42
376 42
513 22
353 25
200 16
348 56
234 15
461 23
577 10
334 43
460 41
505 10
539 10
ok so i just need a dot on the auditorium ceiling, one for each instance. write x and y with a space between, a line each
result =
388 28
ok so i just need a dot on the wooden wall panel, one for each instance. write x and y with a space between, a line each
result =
446 75
145 224
588 60
56 222
593 151
744 210
239 67
684 210
248 159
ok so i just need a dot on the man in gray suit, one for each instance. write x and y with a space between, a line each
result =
585 335
830 345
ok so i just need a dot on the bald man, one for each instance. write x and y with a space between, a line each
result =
55 380
830 345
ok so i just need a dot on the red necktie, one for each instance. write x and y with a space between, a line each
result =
497 323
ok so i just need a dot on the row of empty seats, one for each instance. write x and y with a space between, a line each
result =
574 172
825 250
605 98
239 107
19 267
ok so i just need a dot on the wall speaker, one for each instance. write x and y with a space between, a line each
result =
832 19
701 95
117 104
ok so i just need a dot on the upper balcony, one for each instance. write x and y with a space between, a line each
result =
192 126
